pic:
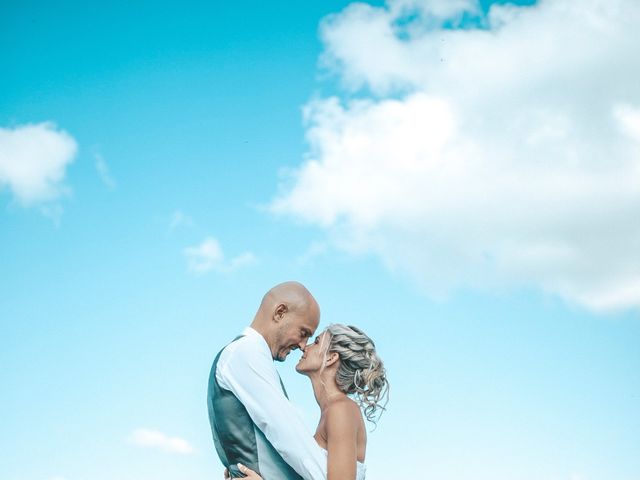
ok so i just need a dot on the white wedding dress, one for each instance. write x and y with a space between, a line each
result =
361 468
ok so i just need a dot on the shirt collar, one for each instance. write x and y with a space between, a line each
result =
253 333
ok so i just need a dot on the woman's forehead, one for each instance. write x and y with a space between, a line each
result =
323 336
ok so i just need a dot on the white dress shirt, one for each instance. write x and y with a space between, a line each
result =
246 368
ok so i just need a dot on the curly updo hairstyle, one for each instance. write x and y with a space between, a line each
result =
361 373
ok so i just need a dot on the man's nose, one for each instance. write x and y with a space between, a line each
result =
302 344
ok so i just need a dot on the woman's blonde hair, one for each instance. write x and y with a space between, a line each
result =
361 372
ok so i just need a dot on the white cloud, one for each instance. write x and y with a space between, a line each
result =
103 171
484 158
246 258
629 120
53 211
204 257
180 219
436 9
155 439
33 161
208 256
314 250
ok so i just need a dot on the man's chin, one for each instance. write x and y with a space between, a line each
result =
282 356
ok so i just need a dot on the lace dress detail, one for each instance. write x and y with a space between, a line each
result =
361 468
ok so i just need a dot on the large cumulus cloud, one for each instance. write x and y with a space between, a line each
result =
482 150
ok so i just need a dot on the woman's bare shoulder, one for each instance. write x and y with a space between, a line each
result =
343 409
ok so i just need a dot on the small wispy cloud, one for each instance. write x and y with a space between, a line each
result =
314 250
204 257
208 256
143 437
244 259
104 172
180 219
53 211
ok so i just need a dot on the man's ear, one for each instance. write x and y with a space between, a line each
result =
332 357
278 313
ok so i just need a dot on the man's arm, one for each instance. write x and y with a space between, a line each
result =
250 375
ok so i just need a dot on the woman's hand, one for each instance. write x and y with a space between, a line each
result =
250 474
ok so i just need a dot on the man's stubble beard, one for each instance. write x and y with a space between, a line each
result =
279 348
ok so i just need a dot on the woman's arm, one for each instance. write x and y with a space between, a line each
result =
343 420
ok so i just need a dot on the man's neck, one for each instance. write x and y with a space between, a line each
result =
264 332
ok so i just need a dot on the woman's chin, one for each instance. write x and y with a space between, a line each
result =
300 369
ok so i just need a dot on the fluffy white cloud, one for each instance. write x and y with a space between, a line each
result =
507 154
33 161
154 439
208 256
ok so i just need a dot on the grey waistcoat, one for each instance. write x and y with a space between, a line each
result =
236 437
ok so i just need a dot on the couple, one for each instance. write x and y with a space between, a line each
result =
256 430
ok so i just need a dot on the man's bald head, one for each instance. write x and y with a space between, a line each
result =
293 294
288 315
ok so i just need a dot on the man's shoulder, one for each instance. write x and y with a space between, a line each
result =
242 359
242 348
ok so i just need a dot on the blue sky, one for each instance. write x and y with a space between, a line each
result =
465 196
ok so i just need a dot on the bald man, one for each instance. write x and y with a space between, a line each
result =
251 418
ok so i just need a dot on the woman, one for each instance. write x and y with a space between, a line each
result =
348 379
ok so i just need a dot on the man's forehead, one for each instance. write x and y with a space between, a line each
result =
309 323
312 325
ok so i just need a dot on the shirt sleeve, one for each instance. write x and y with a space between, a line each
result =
251 376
